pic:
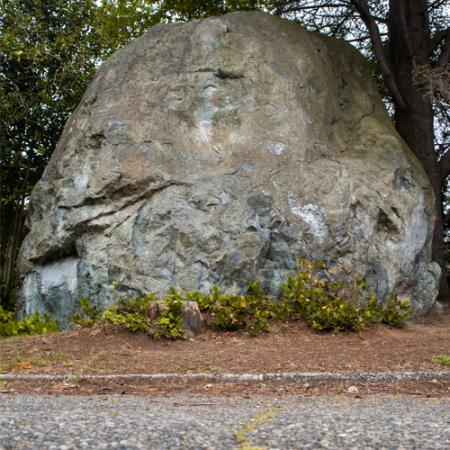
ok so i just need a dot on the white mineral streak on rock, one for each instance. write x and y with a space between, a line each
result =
276 148
204 123
81 181
204 131
313 215
59 274
417 231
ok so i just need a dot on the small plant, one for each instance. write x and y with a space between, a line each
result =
170 324
310 297
204 301
395 312
129 314
89 314
34 324
260 418
443 360
132 314
231 312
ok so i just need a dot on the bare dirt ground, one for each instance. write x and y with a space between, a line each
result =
286 348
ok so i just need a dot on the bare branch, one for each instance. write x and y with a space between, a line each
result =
436 4
433 81
436 39
444 165
446 219
444 57
283 7
378 48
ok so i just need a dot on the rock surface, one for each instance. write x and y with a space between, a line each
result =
192 317
223 150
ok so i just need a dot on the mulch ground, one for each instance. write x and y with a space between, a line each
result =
290 348
431 389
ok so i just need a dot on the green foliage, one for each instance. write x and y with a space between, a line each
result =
129 314
394 313
231 312
49 51
170 324
307 296
129 321
88 315
443 360
132 314
204 301
310 297
34 324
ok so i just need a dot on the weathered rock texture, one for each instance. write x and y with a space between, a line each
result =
192 317
223 150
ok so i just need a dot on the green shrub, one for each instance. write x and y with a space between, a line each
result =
204 301
307 296
170 324
443 360
232 312
312 298
395 312
34 324
129 314
337 315
88 315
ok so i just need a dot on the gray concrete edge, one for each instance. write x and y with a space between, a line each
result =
282 377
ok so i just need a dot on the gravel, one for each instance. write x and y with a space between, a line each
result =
187 422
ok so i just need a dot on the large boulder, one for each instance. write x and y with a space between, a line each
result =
223 150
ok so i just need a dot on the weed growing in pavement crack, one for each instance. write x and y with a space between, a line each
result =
259 418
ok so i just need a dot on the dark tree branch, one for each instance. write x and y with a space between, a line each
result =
444 57
446 219
287 6
436 4
436 39
378 48
444 164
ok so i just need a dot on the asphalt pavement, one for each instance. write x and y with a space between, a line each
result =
187 422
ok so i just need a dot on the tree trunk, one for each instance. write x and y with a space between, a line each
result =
12 235
409 40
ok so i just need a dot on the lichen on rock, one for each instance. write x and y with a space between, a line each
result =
222 150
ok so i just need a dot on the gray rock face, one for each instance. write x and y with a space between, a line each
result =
223 150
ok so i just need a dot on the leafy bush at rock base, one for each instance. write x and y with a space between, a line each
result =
131 314
88 315
306 296
231 312
312 298
170 324
34 324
